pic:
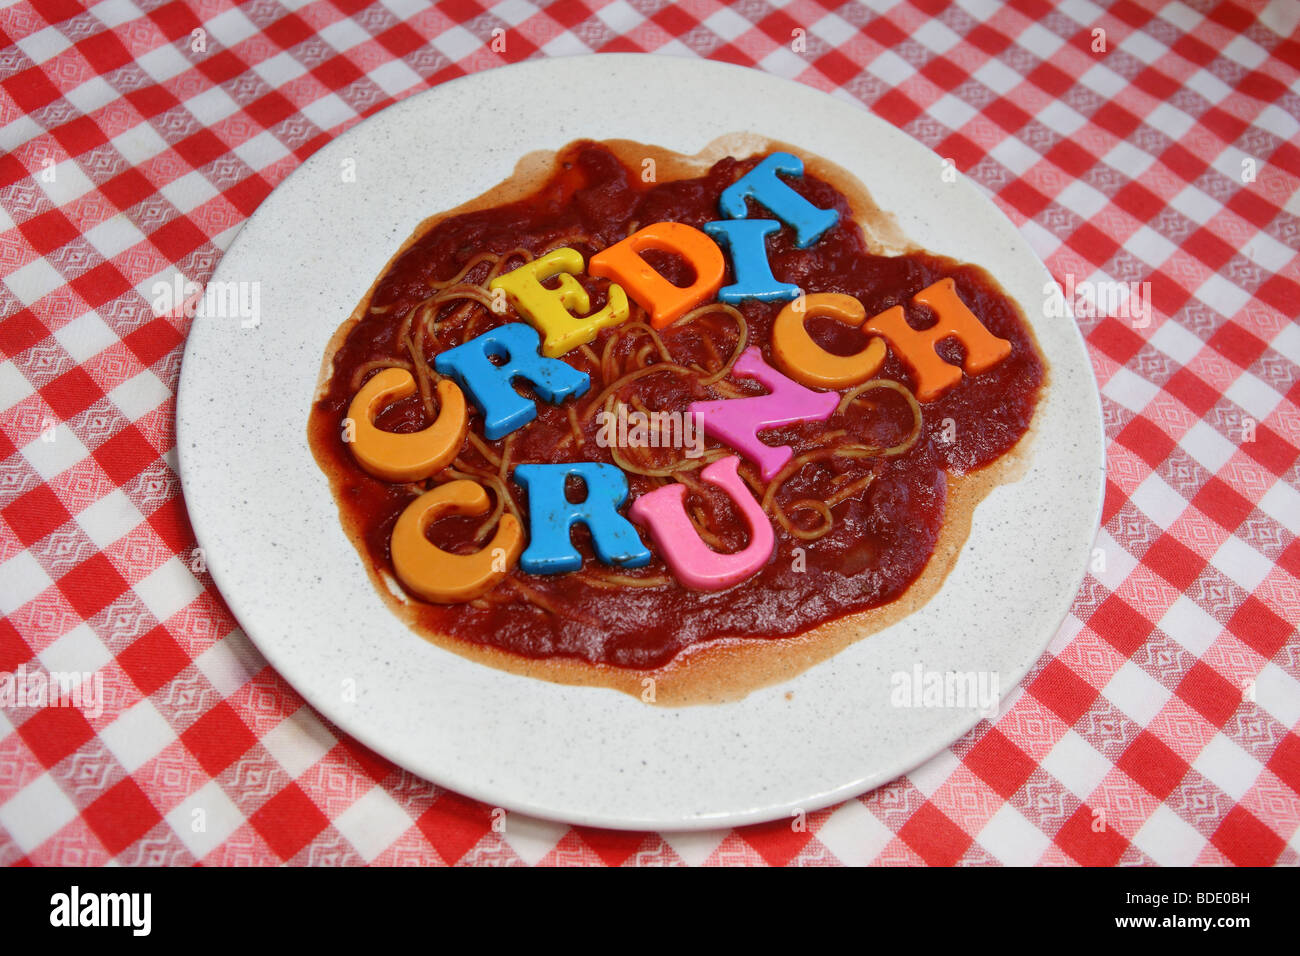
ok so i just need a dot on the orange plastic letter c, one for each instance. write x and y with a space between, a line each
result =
440 576
415 455
807 362
664 301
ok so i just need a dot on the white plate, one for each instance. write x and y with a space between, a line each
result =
264 515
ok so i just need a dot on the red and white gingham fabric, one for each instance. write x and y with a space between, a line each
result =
1166 708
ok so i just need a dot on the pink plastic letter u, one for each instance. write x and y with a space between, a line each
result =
694 563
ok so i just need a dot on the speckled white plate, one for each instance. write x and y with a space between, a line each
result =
263 512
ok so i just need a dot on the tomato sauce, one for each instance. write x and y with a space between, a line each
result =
882 537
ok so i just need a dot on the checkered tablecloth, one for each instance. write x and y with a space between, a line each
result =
1144 142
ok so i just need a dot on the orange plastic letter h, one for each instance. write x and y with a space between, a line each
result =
933 375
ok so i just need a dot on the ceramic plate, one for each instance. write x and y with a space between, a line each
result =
263 512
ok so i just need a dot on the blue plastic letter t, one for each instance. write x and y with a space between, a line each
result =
763 186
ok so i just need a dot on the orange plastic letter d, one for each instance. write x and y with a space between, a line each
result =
664 301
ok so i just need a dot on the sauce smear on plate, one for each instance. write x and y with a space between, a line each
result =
854 528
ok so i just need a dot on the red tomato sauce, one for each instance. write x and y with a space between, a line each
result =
882 537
